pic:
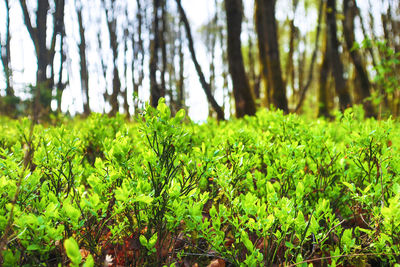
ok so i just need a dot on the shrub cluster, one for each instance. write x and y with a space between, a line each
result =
163 191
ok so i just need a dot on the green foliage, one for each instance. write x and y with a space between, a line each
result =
72 249
386 77
263 190
74 254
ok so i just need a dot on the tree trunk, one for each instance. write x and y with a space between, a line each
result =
125 92
9 101
211 41
350 10
262 48
334 57
163 47
366 37
313 59
116 83
83 64
138 63
253 76
323 108
241 89
42 94
58 28
41 49
293 40
181 79
155 88
290 75
278 87
205 85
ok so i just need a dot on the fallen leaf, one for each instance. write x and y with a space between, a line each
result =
84 253
217 263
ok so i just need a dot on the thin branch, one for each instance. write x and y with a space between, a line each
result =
339 256
314 57
27 20
205 85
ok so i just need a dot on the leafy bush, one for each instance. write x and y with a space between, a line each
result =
263 190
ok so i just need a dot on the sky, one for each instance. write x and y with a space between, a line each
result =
198 12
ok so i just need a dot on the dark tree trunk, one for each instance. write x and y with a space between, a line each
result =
125 92
138 57
293 40
276 82
241 89
58 28
211 41
350 11
83 64
116 83
253 76
6 53
323 107
334 57
225 68
163 45
205 85
155 88
181 79
42 53
262 48
8 105
44 85
290 75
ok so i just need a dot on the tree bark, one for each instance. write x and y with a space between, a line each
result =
334 57
290 75
350 11
155 88
323 107
163 47
181 79
58 29
205 85
42 93
211 41
254 77
125 91
276 82
262 48
83 64
116 83
313 58
9 101
293 40
138 51
244 101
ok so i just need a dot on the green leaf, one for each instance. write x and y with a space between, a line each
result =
144 199
246 241
350 186
33 247
72 212
153 240
122 194
165 113
89 261
180 115
72 249
143 241
289 245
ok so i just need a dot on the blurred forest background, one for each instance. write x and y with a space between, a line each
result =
302 56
